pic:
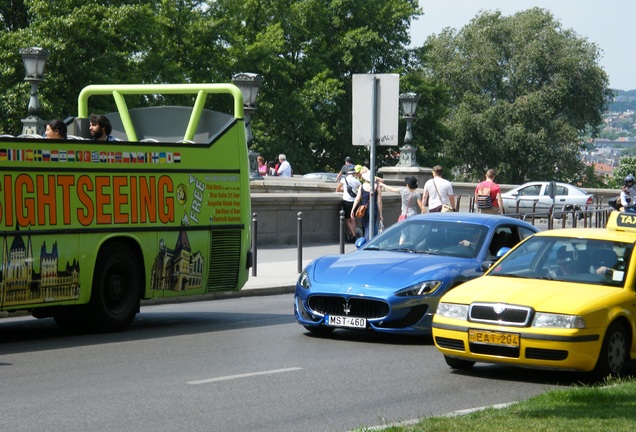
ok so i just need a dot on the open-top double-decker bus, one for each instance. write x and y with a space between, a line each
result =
90 228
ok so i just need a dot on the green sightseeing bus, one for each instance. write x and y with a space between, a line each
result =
90 228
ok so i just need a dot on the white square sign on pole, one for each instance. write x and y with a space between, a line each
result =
387 110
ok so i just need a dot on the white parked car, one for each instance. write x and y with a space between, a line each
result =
534 197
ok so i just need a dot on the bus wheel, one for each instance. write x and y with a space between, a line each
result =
116 289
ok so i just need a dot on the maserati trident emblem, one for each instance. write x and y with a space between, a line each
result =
347 308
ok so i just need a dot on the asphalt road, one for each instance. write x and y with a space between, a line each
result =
235 365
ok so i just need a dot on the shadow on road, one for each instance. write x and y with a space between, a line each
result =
27 334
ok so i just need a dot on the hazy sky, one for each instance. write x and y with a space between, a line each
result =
608 23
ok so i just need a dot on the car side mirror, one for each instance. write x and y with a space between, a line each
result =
501 252
486 265
360 242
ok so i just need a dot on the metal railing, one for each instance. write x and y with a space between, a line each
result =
553 217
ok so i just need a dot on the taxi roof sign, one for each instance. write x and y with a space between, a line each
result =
619 221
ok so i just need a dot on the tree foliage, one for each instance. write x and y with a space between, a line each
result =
522 90
626 165
306 50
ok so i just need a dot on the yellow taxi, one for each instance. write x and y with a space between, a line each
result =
563 299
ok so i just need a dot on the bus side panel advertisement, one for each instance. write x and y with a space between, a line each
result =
55 197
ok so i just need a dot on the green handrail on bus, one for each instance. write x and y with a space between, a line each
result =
119 90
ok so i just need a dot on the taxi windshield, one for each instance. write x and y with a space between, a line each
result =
566 259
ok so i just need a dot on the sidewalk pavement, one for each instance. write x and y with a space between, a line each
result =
277 267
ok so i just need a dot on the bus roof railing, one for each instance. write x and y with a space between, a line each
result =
118 91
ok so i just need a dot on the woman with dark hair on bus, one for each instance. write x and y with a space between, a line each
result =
55 129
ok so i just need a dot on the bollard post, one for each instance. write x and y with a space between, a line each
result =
342 232
299 240
254 243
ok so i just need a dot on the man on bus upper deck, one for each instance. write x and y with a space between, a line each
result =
100 128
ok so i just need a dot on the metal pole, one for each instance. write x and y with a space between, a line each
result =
254 243
299 241
342 232
374 134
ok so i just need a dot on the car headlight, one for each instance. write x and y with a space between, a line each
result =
452 310
303 280
550 320
419 289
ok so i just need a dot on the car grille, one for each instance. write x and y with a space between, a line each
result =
496 313
353 307
414 316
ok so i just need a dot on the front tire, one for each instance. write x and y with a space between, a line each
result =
613 357
115 295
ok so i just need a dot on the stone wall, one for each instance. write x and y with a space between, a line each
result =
277 202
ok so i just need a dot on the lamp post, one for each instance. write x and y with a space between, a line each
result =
249 84
407 152
34 59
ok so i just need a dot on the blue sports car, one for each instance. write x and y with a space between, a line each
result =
393 283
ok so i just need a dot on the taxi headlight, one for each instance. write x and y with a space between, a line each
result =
303 280
550 320
452 310
419 289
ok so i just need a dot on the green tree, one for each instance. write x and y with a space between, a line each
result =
89 42
626 165
306 50
522 91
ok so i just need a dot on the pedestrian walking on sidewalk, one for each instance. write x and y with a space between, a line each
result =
349 186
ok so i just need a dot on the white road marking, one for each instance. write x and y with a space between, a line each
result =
246 375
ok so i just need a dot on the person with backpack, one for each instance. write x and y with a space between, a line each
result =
349 185
488 195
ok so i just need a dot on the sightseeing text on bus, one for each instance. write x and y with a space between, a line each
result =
63 199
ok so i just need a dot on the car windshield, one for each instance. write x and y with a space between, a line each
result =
578 260
427 236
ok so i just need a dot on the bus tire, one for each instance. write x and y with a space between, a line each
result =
115 295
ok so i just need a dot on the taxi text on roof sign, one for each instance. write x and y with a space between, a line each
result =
622 221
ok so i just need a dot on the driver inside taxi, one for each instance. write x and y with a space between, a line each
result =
565 262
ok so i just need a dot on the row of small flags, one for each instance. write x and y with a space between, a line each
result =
93 156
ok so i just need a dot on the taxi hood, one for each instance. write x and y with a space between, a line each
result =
541 295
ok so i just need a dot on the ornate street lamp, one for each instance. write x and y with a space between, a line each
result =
407 152
249 84
34 59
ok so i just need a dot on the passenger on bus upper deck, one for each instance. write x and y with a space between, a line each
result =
100 128
55 129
